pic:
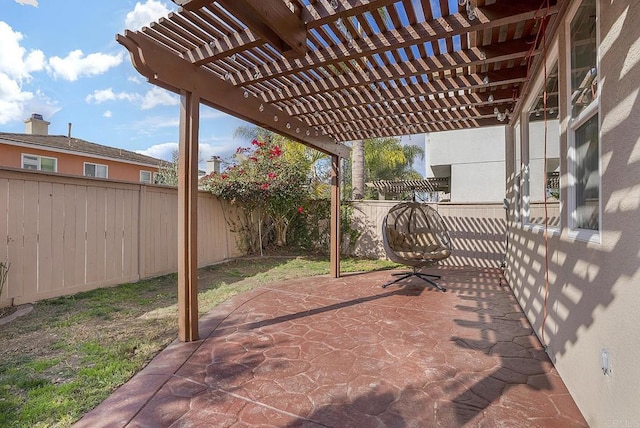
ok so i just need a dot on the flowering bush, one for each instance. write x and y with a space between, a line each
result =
265 187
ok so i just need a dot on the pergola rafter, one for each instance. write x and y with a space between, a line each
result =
323 72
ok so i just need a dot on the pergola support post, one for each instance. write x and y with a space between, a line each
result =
334 257
188 217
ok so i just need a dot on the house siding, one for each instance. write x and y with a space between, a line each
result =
11 156
594 287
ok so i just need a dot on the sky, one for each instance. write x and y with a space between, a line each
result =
59 58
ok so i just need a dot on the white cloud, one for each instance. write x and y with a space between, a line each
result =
76 65
33 3
158 97
107 114
16 66
149 125
160 151
165 151
12 100
145 13
224 150
154 97
14 60
102 95
134 79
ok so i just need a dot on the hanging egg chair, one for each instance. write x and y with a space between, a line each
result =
415 235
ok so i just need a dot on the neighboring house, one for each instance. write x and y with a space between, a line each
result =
472 160
37 150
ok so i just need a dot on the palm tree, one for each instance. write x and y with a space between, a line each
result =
357 162
384 159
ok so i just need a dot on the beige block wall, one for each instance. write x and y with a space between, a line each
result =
594 288
477 231
65 234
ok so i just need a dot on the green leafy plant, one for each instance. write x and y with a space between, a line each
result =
264 186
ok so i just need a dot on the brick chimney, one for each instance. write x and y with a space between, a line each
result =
35 125
213 165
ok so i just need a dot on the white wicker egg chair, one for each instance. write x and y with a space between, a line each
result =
415 235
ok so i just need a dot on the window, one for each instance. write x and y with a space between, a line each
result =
584 128
543 145
145 177
96 170
39 163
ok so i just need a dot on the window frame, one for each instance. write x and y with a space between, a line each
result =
39 166
573 124
517 171
553 58
84 169
150 177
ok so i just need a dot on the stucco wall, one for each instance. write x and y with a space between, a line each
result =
593 300
477 231
476 157
477 182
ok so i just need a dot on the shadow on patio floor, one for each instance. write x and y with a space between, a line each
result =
346 353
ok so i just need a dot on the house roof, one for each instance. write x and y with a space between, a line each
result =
327 71
63 143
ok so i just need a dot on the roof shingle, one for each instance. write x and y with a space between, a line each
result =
62 142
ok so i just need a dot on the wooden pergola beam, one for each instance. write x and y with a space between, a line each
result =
453 25
501 52
396 131
423 103
188 217
168 70
273 20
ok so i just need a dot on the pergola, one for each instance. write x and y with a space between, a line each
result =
323 72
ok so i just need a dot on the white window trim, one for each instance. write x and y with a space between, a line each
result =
579 234
517 171
84 166
55 160
552 57
150 177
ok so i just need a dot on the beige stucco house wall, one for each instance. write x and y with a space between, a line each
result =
474 161
593 301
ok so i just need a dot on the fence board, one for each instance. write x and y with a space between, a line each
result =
30 238
4 230
57 236
43 245
66 234
15 239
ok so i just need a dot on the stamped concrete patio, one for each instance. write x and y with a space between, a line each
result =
344 352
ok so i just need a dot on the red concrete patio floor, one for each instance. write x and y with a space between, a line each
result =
344 352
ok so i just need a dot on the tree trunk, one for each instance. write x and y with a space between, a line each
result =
357 170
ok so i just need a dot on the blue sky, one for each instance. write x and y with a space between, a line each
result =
59 58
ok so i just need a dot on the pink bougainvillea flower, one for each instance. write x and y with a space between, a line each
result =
271 176
224 176
253 159
300 210
276 151
265 186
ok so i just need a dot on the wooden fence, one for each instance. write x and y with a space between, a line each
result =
65 234
477 231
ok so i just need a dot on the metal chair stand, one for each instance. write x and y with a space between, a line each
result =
423 276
